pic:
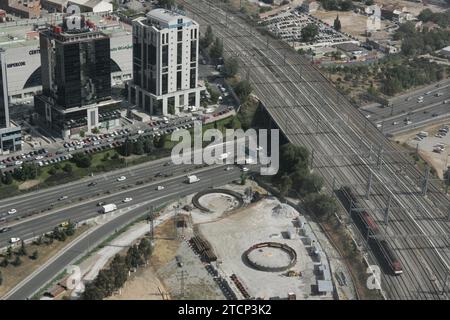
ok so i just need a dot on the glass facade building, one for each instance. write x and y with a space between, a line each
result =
4 113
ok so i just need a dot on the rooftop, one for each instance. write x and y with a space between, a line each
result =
162 18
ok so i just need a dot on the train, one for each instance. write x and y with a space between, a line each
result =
370 229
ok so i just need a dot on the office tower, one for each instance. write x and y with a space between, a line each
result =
10 135
165 63
76 79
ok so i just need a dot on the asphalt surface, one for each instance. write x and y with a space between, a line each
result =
174 188
406 107
348 150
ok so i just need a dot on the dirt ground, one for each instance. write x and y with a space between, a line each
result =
28 184
13 275
351 22
413 7
437 160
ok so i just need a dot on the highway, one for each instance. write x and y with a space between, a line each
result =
174 188
347 150
392 119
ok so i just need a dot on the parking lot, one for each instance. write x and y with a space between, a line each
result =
288 26
432 144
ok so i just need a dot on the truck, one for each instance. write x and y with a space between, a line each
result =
192 179
108 208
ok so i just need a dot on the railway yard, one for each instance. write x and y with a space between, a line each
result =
346 150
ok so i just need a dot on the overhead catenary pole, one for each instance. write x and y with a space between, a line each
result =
369 185
426 180
388 209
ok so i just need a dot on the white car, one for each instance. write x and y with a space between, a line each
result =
229 168
122 178
159 188
127 200
244 169
394 123
12 211
14 240
63 198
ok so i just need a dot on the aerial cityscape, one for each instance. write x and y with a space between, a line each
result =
224 150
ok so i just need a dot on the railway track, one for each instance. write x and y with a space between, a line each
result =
311 112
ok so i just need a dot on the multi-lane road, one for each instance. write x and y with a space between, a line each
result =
144 197
407 113
347 150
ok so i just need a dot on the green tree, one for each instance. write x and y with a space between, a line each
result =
35 255
295 158
82 160
82 134
208 38
133 258
285 184
9 252
148 145
7 178
243 89
320 205
309 32
68 168
119 270
243 178
337 24
127 148
23 250
231 67
52 171
145 248
17 262
167 3
91 292
4 263
138 147
216 50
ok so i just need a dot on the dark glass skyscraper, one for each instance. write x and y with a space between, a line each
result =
4 113
76 79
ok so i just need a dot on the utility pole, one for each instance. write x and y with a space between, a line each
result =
444 287
425 182
388 209
181 276
379 158
312 159
369 185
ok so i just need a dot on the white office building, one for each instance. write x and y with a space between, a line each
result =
165 63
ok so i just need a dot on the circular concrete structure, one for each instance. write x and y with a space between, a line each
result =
270 256
211 200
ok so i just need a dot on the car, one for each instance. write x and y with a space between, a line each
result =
12 211
244 169
394 123
91 184
159 174
127 200
14 240
101 203
5 229
122 178
228 168
159 188
168 163
63 198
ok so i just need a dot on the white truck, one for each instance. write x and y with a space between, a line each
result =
192 179
108 208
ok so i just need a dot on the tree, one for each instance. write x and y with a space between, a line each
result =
1 278
105 282
52 171
243 178
216 50
309 184
295 158
285 184
133 258
9 252
243 89
70 229
148 145
208 38
138 147
320 205
91 292
35 255
95 130
82 160
126 149
4 263
17 262
82 133
309 32
145 248
7 178
167 3
337 24
22 250
68 168
119 270
230 67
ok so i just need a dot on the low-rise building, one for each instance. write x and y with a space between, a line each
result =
309 6
29 9
54 5
96 6
445 52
